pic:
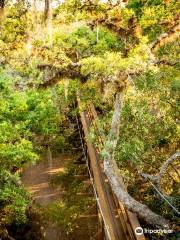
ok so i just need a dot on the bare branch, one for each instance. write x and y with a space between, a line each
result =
164 38
165 62
165 166
150 177
157 178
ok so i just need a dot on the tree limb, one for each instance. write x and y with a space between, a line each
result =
157 178
112 172
165 62
164 167
130 203
164 38
57 74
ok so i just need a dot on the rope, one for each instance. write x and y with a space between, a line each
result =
97 199
163 197
91 179
161 194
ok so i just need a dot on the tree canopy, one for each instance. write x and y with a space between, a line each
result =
121 55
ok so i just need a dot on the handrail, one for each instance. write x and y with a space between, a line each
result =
132 217
120 223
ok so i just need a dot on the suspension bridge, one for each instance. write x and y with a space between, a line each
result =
117 223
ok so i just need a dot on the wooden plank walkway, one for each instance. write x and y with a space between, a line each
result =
119 223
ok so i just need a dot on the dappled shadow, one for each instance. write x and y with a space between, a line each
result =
36 179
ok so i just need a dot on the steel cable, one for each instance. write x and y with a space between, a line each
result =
91 179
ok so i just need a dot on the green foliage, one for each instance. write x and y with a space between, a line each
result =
83 41
118 59
154 16
148 123
64 12
42 114
14 26
23 115
13 198
63 215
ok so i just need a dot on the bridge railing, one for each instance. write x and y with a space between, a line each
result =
118 222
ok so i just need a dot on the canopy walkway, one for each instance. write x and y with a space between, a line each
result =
117 223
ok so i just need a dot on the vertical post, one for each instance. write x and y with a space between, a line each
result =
49 157
97 33
101 230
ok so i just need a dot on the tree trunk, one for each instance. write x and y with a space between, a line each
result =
2 4
114 131
46 10
34 11
112 172
130 203
48 18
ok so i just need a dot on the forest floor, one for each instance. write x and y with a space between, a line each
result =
37 180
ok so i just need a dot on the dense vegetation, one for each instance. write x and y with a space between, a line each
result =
121 55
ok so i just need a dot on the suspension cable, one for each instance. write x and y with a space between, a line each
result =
160 193
91 179
163 197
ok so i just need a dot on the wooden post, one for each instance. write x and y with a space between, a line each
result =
49 154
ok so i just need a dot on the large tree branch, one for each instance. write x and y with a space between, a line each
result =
130 203
165 62
165 166
112 172
114 25
57 74
73 70
157 178
114 132
164 38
